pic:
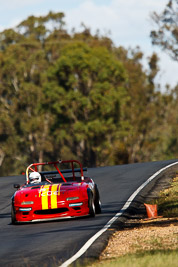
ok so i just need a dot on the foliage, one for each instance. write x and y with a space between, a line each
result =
78 96
166 34
168 201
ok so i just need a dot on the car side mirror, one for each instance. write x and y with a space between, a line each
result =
17 186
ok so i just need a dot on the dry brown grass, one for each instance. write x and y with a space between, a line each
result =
157 234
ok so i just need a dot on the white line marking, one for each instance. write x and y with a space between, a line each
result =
111 221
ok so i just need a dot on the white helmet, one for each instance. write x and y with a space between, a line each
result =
35 177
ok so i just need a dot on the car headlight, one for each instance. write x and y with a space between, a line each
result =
75 204
27 203
25 209
72 198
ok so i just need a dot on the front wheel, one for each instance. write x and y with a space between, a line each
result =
91 204
97 200
13 217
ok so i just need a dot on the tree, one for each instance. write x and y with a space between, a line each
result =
77 96
87 96
166 34
141 114
39 27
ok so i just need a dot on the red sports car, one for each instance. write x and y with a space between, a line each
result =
54 194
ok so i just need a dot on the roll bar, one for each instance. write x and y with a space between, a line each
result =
33 167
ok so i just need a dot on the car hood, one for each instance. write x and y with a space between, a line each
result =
38 192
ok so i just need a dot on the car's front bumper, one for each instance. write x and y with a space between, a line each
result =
32 214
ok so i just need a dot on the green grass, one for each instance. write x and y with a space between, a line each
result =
146 259
167 201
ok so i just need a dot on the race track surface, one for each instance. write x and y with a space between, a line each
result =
51 243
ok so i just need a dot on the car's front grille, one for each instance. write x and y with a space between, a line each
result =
50 211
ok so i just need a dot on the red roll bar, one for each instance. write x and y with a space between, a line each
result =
55 163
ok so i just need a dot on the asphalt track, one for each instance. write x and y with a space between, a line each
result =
52 243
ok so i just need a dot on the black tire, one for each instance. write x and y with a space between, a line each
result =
97 201
13 218
91 203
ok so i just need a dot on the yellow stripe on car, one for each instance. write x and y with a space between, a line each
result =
49 191
44 197
54 196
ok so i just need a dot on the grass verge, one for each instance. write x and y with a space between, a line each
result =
168 200
145 259
150 243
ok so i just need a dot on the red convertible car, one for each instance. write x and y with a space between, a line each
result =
54 194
